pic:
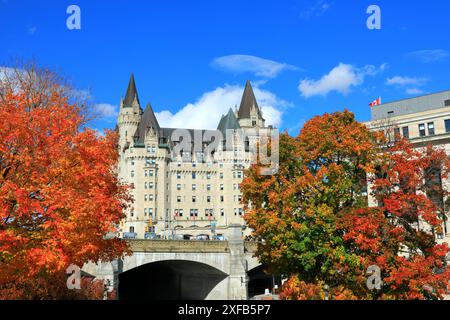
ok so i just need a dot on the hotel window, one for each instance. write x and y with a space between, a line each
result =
234 174
150 197
221 198
132 173
208 175
194 187
145 185
132 213
396 133
405 131
178 175
150 211
147 162
150 185
222 212
145 211
150 173
239 174
221 187
208 199
447 125
193 212
178 186
194 175
208 213
239 198
132 162
431 128
422 130
194 164
221 175
145 197
194 198
178 198
208 187
447 103
131 229
241 211
235 211
145 173
180 212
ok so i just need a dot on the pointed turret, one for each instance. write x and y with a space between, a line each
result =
131 97
148 123
248 103
228 122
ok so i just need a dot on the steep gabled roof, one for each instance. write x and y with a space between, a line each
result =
228 122
248 102
148 121
131 93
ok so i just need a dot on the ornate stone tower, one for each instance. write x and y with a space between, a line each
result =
249 114
129 116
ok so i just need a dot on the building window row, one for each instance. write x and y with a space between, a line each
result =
148 211
148 185
194 175
148 173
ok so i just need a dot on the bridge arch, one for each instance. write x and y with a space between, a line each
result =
170 280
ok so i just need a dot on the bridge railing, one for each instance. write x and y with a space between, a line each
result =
199 246
178 246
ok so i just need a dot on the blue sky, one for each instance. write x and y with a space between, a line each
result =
191 58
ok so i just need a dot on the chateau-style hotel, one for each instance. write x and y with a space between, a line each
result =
179 199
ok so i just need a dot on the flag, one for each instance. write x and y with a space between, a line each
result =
375 102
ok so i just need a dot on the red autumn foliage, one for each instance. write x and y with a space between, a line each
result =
319 229
59 196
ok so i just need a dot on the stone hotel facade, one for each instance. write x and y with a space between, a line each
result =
175 198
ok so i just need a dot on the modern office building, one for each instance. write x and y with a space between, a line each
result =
423 120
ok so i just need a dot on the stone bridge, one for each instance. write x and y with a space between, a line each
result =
177 269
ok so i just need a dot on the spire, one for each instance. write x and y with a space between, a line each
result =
148 121
248 102
131 94
228 122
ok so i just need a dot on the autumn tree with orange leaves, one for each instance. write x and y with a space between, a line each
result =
59 195
319 230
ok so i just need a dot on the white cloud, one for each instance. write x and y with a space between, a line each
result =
406 81
32 30
106 110
428 56
206 112
414 91
239 63
340 79
412 85
318 8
